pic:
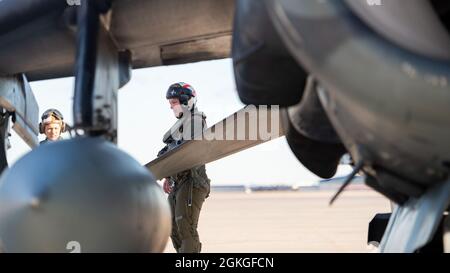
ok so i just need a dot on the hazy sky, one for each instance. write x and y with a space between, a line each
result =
144 116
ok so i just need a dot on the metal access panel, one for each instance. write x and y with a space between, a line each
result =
17 98
413 225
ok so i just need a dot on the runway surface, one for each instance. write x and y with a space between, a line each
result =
287 221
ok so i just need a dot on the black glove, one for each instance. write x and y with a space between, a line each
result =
163 151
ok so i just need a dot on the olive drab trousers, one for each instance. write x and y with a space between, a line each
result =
185 215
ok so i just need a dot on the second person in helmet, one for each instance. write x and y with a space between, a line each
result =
188 189
52 125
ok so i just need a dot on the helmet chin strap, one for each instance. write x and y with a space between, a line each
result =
191 103
180 110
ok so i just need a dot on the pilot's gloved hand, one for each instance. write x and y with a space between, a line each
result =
163 151
166 186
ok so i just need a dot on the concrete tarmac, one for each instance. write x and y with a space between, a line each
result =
288 221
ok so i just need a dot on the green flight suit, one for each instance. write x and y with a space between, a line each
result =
190 187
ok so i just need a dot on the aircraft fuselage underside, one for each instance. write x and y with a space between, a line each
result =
389 106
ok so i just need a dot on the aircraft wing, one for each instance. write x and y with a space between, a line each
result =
38 38
244 129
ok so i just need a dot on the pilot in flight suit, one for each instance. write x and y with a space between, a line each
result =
187 189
